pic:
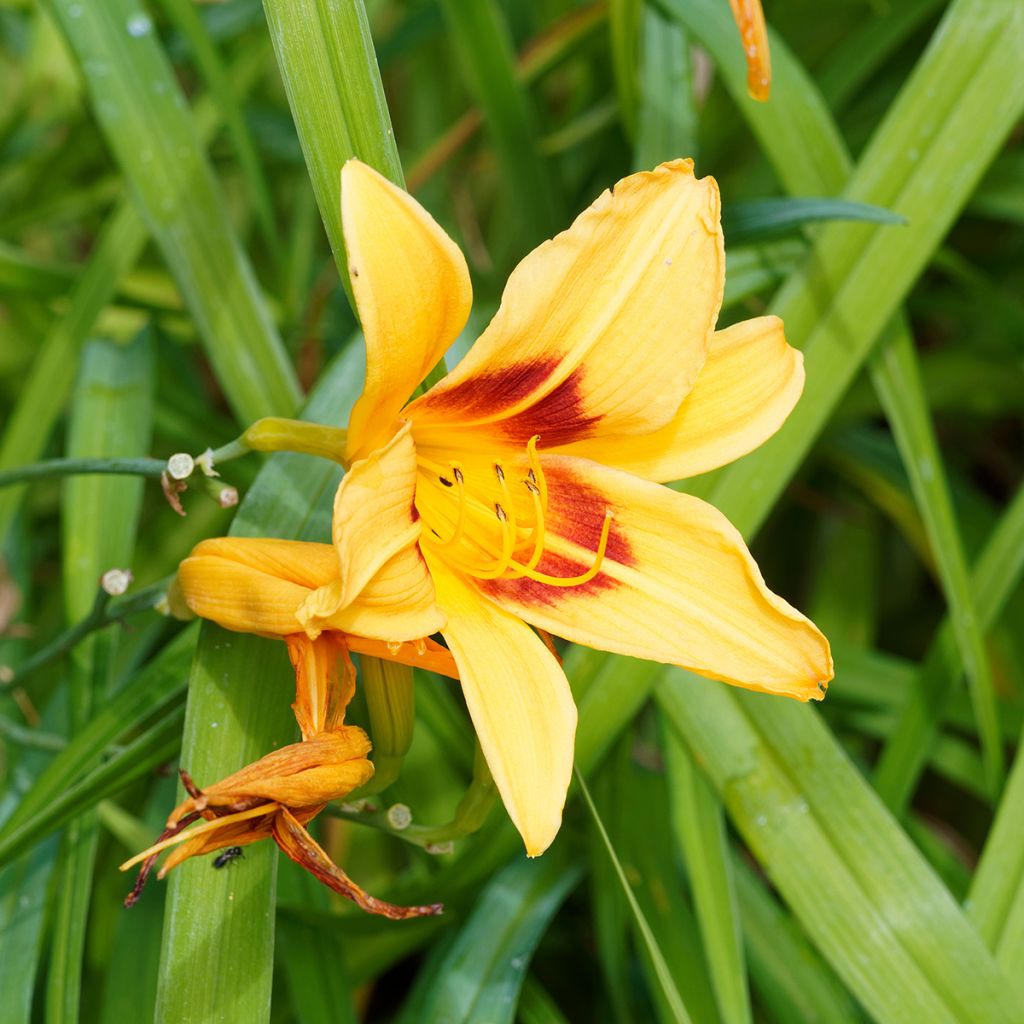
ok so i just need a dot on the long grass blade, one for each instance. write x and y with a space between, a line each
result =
140 106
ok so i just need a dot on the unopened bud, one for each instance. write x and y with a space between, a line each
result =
180 466
437 849
228 497
116 581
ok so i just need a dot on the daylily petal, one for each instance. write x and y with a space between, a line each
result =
604 328
412 289
749 385
520 703
375 529
258 585
254 585
677 585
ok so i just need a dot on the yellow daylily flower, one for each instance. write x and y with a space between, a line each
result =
523 490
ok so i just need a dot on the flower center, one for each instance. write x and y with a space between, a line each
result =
488 519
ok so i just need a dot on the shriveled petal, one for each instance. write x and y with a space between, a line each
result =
254 585
520 703
304 850
749 385
412 291
380 569
677 585
604 328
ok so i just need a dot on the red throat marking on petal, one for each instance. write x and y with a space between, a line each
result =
559 416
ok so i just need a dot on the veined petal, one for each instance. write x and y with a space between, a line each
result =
677 585
254 585
604 328
520 703
747 388
412 290
259 585
375 524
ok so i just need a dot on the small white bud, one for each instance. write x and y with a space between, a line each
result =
116 581
228 497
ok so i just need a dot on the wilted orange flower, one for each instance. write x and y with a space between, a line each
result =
277 796
522 491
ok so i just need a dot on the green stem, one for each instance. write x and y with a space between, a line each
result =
104 612
75 467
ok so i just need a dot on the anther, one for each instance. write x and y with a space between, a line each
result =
457 473
445 481
499 473
500 513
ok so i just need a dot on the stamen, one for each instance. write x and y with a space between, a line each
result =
536 474
538 524
207 826
460 522
507 500
445 481
507 538
573 581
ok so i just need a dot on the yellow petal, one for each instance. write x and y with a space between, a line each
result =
254 585
749 385
520 703
412 290
677 585
604 328
381 582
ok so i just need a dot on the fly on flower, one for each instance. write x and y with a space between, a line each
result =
523 492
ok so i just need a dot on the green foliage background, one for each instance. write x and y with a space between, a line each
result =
169 232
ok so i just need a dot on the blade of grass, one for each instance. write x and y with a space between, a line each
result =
326 57
52 375
209 63
897 379
667 117
997 572
699 827
790 978
666 982
219 923
480 977
855 881
111 416
995 901
484 48
140 107
848 263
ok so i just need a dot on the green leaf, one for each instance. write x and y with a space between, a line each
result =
329 67
140 107
484 49
764 218
481 974
221 923
699 827
111 416
857 884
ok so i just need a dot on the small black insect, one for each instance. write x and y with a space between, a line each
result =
227 856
